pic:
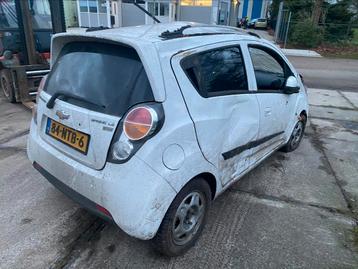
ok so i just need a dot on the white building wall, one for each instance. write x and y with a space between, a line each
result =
264 8
71 13
94 19
241 8
249 9
132 15
214 12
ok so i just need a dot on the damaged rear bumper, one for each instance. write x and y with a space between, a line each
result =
73 195
134 195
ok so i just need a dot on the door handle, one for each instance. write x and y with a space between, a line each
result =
268 111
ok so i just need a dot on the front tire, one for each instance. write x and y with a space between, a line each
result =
6 85
184 220
296 136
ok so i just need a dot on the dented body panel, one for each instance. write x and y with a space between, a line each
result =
136 198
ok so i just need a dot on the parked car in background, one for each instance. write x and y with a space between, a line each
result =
147 125
258 24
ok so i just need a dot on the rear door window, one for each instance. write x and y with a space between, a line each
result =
217 72
107 78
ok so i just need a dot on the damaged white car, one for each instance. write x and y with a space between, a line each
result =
147 125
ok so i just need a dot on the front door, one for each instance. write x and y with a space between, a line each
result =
276 107
226 116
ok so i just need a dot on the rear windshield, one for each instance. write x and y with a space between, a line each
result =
102 77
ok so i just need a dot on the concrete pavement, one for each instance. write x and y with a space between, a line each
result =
301 53
295 210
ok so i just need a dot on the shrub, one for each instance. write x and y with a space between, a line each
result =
306 35
336 33
339 17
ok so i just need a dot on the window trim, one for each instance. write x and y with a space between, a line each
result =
216 93
281 61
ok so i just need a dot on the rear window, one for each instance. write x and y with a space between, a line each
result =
261 20
103 77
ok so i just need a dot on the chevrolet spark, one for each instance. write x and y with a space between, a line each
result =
146 126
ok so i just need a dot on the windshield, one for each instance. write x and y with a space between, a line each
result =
104 77
39 10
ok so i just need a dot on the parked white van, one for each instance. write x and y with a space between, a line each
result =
147 125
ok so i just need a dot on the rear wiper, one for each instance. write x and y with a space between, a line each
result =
50 104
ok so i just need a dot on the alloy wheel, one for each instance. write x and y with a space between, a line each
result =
188 218
297 134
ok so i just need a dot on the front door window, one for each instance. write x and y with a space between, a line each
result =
270 69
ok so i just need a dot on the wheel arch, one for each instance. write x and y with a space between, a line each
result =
210 179
304 113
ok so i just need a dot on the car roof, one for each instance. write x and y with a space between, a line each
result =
157 32
176 33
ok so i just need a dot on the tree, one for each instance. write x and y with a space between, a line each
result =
317 11
306 35
301 9
354 8
274 9
338 21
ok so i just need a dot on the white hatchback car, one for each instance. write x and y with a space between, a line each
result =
147 125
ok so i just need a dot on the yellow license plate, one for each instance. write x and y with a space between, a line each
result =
71 137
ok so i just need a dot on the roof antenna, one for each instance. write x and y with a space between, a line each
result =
144 10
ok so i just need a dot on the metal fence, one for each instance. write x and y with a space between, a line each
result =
330 32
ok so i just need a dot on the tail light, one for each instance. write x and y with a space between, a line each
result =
39 90
139 124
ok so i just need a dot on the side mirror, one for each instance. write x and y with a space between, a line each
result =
291 85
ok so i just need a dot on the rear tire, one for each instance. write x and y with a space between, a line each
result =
296 136
184 220
7 85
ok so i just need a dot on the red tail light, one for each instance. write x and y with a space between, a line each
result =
140 122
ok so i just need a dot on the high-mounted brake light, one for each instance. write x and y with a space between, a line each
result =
140 122
39 90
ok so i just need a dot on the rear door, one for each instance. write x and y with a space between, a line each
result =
94 84
276 107
214 84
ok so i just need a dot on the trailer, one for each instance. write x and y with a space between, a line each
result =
26 27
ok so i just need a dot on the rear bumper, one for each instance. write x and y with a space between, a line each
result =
75 196
136 197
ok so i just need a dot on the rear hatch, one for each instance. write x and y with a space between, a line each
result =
94 84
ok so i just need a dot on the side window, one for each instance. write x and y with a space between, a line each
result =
217 72
270 69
